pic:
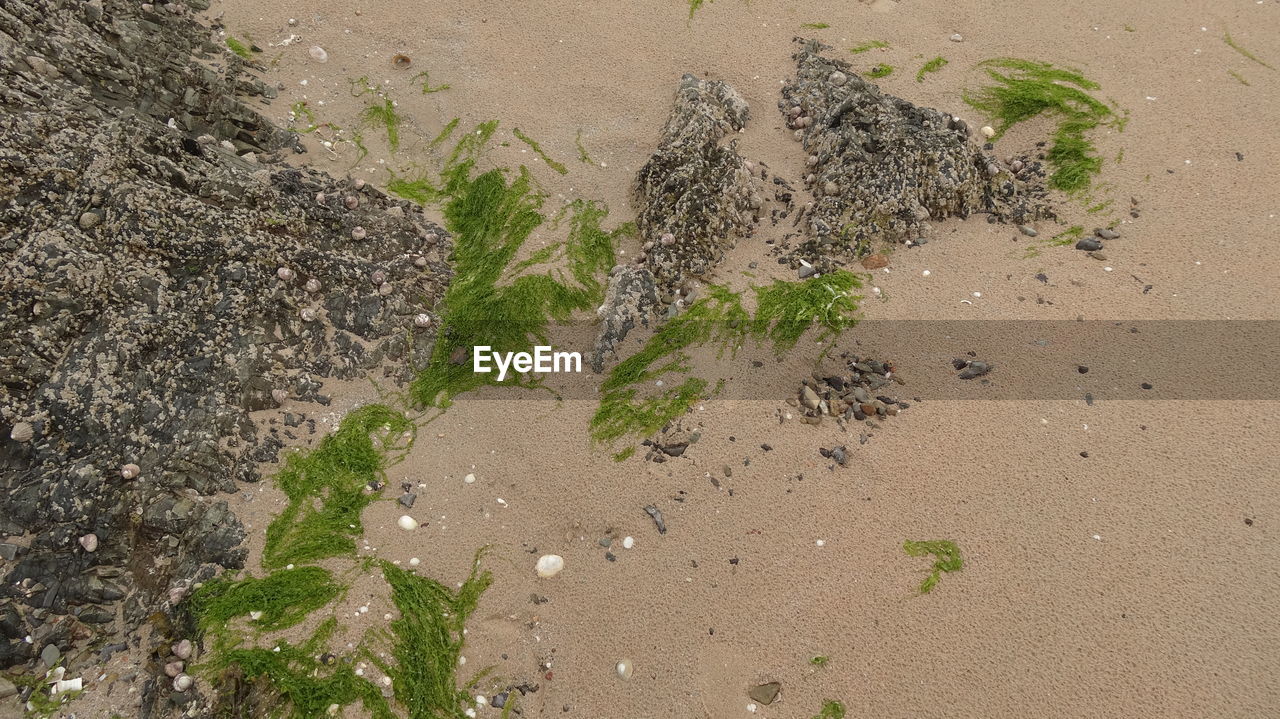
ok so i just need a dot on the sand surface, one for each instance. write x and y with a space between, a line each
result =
1124 583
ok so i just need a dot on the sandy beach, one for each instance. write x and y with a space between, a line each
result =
1119 556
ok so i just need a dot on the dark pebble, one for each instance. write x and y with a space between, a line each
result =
1082 369
1146 385
1089 244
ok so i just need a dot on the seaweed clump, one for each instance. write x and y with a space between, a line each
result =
881 168
946 559
327 487
1024 89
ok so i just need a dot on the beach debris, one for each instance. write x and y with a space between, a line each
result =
407 523
765 693
549 565
401 62
855 395
839 454
318 54
863 143
624 668
971 368
656 513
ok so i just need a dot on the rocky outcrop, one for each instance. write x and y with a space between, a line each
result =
881 168
162 276
696 193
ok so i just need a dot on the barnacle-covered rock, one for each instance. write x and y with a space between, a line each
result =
881 168
696 193
629 301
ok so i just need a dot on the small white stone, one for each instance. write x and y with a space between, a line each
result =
481 700
422 320
469 479
988 131
284 273
624 668
957 38
130 471
255 615
549 565
312 286
628 542
414 561
318 54
183 682
358 233
821 543
926 273
89 542
977 294
408 523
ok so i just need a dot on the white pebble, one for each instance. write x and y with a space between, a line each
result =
628 542
988 131
408 523
414 561
318 54
469 479
821 543
549 565
977 294
624 668
957 38
926 273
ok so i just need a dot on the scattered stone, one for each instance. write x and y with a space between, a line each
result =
1027 230
407 523
1106 233
957 37
656 514
1089 244
765 693
876 261
549 565
624 668
971 369
407 499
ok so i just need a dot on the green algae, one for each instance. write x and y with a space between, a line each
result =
428 639
425 81
881 70
537 149
815 25
327 487
784 312
303 684
933 65
1238 77
831 709
946 559
1231 43
1023 89
869 45
283 598
239 48
582 151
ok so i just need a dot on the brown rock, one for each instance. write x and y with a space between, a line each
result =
765 693
875 262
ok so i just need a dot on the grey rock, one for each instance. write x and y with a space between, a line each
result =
7 688
629 300
1027 230
1089 244
1106 233
50 655
765 693
888 160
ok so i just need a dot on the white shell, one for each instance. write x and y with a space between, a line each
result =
183 682
22 432
279 396
318 54
414 561
284 273
628 542
255 615
378 277
89 542
549 565
358 233
351 201
624 668
173 669
419 261
313 285
407 523
182 649
307 315
67 685
359 183
422 320
130 471
385 289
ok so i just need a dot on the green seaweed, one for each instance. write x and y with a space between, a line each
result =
537 149
1024 89
1231 43
445 133
428 639
327 487
819 660
869 45
239 48
946 559
879 71
305 685
815 25
1068 236
785 311
695 5
933 65
426 83
300 109
1239 78
624 455
582 151
831 709
283 598
380 110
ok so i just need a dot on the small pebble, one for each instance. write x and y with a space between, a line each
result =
988 131
957 38
1027 230
549 565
